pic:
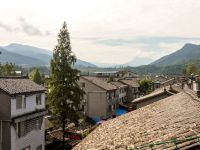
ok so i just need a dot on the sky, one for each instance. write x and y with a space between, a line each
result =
103 31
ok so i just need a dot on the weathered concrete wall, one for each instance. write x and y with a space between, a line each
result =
5 115
96 104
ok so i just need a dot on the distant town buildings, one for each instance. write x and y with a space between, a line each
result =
172 122
170 112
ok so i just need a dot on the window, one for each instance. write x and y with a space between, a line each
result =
24 106
27 148
24 127
109 108
20 102
20 129
38 99
39 147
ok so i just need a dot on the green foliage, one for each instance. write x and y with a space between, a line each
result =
191 69
145 86
7 70
64 92
110 79
35 76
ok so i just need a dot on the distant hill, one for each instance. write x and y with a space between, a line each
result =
189 52
81 63
18 59
31 56
30 51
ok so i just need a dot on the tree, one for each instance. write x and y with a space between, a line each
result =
110 79
145 86
35 76
191 69
65 94
7 69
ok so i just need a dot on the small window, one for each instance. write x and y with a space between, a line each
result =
20 129
18 102
38 99
39 147
24 106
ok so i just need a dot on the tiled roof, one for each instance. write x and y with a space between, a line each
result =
151 95
16 86
118 84
100 83
133 83
159 79
177 116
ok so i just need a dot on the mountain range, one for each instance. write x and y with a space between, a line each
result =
188 52
28 56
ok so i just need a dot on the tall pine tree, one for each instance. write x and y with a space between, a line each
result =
65 94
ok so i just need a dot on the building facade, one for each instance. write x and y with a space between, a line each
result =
21 114
132 89
100 98
121 91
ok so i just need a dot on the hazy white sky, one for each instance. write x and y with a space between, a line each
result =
106 31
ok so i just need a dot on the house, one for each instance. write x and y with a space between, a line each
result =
129 74
106 73
116 74
121 91
22 108
193 82
132 90
100 98
161 81
18 73
171 123
155 96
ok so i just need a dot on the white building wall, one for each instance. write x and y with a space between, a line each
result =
122 95
30 105
195 86
33 138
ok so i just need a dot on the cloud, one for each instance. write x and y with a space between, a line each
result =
25 27
6 27
47 33
143 40
119 31
29 29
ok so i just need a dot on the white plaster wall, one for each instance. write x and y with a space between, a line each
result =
33 138
30 105
122 95
195 86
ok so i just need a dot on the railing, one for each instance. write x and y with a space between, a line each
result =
174 141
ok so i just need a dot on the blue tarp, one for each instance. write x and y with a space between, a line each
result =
120 111
96 119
